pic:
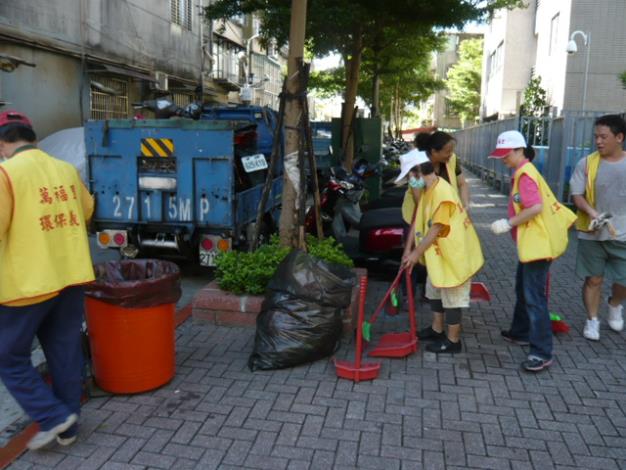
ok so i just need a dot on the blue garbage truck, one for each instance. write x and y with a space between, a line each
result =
182 186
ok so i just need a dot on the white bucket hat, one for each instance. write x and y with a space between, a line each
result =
410 160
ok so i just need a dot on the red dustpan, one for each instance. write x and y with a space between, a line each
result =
358 370
398 344
479 292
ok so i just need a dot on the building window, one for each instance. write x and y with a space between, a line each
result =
449 110
268 74
495 59
554 34
181 13
238 19
226 62
108 98
182 99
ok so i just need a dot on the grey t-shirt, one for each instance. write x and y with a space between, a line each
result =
610 196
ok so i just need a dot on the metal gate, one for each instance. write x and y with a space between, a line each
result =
559 144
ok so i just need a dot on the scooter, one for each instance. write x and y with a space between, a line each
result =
164 109
380 229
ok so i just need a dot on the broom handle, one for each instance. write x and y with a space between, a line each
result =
409 289
394 284
359 330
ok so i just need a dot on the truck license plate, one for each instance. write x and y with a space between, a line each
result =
254 163
207 258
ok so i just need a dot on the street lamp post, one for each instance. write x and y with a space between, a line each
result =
572 48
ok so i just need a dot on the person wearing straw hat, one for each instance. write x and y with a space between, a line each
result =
447 244
538 224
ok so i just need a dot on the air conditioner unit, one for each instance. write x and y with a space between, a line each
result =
160 81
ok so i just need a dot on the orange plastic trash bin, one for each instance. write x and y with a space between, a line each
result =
130 322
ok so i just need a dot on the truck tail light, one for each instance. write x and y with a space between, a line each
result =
223 245
112 239
211 246
104 239
207 244
119 239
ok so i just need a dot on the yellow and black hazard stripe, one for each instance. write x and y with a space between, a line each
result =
157 147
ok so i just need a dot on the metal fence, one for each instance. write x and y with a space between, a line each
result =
559 143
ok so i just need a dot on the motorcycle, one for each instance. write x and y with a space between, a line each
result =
380 228
165 109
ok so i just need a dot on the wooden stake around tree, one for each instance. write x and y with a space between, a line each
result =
292 119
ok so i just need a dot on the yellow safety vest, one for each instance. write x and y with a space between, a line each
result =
545 235
592 163
408 204
46 247
456 256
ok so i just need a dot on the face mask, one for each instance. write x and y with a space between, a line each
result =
416 183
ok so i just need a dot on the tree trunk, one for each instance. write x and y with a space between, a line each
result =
397 111
293 111
376 95
352 82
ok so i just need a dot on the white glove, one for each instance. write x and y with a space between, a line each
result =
501 226
600 221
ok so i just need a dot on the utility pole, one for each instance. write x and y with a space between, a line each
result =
293 111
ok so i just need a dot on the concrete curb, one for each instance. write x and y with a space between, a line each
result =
213 305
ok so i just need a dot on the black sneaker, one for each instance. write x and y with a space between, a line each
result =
506 334
535 364
428 334
445 346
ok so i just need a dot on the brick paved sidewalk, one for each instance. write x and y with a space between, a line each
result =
472 410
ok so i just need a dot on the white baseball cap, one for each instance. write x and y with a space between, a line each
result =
507 141
410 160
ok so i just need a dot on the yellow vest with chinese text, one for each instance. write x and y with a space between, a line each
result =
592 163
45 248
545 235
455 255
408 204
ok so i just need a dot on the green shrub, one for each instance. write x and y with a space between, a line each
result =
242 272
329 250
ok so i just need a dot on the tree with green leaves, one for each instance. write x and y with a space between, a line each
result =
535 97
535 102
622 77
463 80
392 78
347 26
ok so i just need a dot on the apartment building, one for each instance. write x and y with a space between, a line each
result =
436 110
535 40
93 59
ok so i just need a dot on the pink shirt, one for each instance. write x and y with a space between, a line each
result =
529 195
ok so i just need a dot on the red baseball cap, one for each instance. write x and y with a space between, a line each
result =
14 117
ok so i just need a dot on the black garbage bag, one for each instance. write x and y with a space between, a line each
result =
136 283
301 316
314 280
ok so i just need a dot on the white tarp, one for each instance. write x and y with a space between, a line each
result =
68 145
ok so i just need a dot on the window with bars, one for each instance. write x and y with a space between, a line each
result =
262 68
181 13
182 99
108 98
226 61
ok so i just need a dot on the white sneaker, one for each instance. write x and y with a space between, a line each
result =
616 320
592 330
66 441
43 438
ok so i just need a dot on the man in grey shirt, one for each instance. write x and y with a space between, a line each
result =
598 188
